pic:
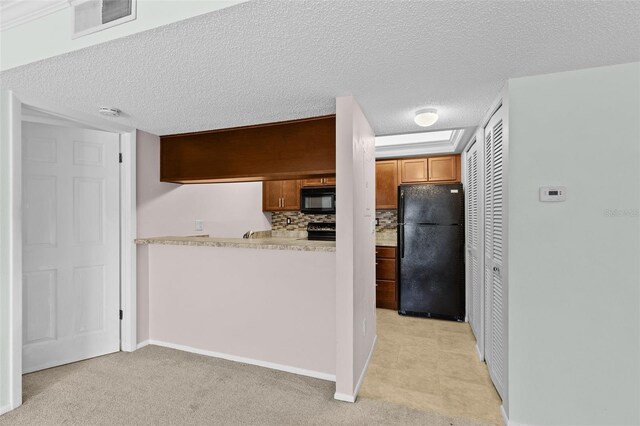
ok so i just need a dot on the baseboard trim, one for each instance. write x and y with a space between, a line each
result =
257 362
344 397
142 344
480 357
505 418
366 367
5 409
352 398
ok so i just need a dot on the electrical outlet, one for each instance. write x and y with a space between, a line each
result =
199 225
377 221
288 221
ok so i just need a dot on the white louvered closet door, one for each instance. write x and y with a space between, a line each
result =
474 242
495 266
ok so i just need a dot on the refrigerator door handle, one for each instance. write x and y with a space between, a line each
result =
401 242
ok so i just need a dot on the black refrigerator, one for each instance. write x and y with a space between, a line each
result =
431 251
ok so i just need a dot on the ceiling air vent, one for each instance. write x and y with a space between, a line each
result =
90 16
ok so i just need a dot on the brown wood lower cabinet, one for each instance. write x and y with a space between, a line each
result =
386 290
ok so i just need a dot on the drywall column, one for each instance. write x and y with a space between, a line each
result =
574 285
10 253
355 247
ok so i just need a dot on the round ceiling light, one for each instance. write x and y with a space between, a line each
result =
426 117
111 112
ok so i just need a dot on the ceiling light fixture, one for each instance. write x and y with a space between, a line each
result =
426 117
111 112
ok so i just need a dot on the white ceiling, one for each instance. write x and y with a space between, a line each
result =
267 61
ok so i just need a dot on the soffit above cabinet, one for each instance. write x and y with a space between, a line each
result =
285 150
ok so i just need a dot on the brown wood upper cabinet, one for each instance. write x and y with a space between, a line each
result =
391 173
430 169
289 150
413 170
386 184
281 195
326 181
443 169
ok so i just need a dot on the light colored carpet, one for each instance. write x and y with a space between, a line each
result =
157 385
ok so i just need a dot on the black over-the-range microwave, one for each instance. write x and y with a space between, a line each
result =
318 200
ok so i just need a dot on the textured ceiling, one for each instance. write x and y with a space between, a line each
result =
267 61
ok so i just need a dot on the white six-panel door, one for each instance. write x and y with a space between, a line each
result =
475 241
71 287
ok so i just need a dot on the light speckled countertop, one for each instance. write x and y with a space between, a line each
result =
266 243
282 240
386 239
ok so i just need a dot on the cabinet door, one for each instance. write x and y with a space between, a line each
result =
313 182
386 269
330 181
290 195
414 170
386 295
387 184
443 169
272 196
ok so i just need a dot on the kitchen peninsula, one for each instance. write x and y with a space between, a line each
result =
276 300
266 301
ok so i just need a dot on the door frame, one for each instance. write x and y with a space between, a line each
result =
11 232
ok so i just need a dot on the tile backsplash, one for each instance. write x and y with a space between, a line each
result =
387 219
299 220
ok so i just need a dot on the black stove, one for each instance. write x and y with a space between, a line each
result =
321 231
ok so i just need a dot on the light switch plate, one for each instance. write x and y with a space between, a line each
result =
199 225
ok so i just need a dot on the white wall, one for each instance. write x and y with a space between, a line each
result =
355 246
574 286
50 35
275 306
227 209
